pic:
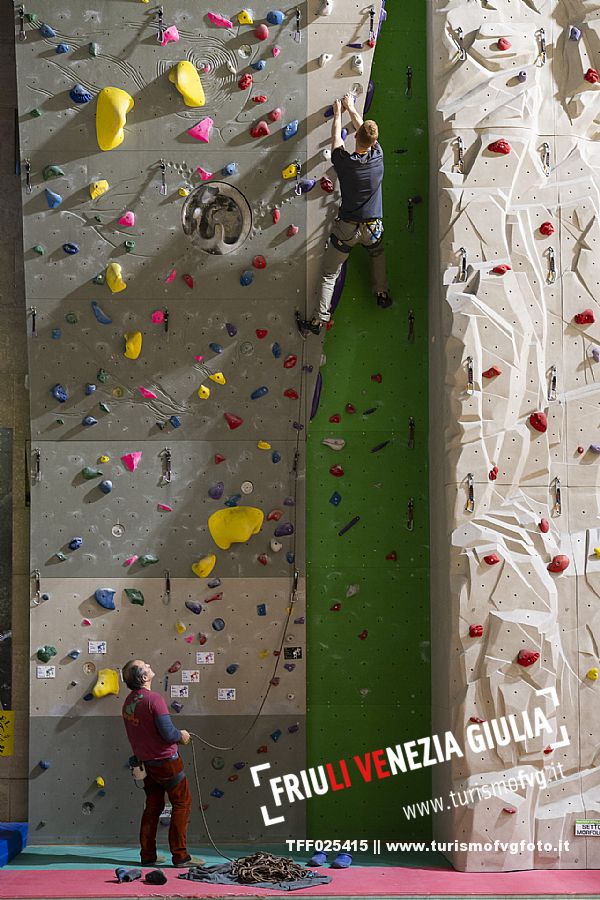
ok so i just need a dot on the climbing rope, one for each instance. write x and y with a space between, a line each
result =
266 867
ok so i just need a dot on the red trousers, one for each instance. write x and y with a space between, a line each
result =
181 801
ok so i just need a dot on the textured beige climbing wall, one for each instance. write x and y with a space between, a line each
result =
503 87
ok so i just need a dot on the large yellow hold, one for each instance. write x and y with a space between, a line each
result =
204 566
234 525
187 81
107 683
114 277
133 344
97 188
111 115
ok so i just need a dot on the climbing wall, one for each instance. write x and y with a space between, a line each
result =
165 238
514 422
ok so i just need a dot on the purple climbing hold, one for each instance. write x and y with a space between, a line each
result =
369 97
596 354
289 667
213 583
284 530
289 501
522 76
299 621
595 448
574 33
239 765
59 393
355 46
328 113
231 329
218 624
316 396
71 248
177 706
298 426
306 185
194 606
293 728
90 389
344 133
215 492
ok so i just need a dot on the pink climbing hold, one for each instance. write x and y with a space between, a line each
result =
204 173
327 185
500 146
539 421
475 630
219 458
336 471
164 507
492 559
189 639
171 276
262 32
260 98
188 280
198 358
147 395
275 114
292 230
547 228
591 76
169 34
276 215
502 269
261 333
259 262
504 44
261 129
132 460
559 563
544 526
131 559
276 51
492 372
290 361
158 317
585 318
245 82
219 20
86 622
232 420
202 130
127 219
527 657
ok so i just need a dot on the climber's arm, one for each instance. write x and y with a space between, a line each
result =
348 101
336 126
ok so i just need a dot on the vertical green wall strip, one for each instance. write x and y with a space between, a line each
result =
364 694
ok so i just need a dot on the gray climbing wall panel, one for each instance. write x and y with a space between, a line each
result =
218 335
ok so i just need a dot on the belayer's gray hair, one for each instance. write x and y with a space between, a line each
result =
133 675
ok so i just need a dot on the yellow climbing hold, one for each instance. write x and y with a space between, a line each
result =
263 654
103 459
107 683
203 392
183 192
234 525
99 781
597 551
218 378
97 188
114 277
187 81
263 445
290 171
592 674
204 566
179 627
133 344
111 115
245 17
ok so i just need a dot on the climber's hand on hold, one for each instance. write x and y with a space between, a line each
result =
337 108
348 102
185 736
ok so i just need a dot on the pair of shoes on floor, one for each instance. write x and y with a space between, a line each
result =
157 861
308 326
189 861
342 860
384 301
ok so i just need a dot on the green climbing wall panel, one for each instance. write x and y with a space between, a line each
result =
371 693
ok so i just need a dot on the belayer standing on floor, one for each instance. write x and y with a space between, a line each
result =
154 739
359 220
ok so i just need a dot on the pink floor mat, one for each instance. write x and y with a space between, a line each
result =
52 884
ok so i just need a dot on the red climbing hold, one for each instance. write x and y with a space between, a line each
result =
263 559
336 471
544 526
290 361
492 372
262 32
592 76
491 559
559 563
393 556
292 230
548 749
511 810
527 657
245 82
261 129
219 458
335 419
378 377
175 667
500 146
188 280
350 408
275 114
327 185
547 228
202 639
586 317
276 215
260 98
538 421
261 333
493 473
259 262
233 778
502 269
291 394
363 635
214 597
275 515
263 749
504 44
581 450
232 420
336 607
476 720
475 630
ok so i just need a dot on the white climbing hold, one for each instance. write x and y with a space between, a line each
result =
326 8
334 443
356 64
324 59
276 546
326 153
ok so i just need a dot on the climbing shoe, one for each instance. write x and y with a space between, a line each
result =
318 859
308 326
384 300
342 861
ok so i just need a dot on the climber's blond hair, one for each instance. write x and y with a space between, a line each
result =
368 133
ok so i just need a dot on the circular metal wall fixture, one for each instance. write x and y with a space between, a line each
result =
217 217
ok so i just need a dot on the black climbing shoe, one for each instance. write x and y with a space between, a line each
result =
306 326
384 300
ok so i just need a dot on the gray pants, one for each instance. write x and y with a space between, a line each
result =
349 234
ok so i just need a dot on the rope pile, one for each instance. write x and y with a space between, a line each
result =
266 867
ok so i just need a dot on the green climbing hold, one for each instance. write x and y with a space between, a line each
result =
32 18
52 172
88 473
39 250
60 555
46 653
102 375
60 421
35 113
94 48
135 596
129 246
99 279
148 559
98 219
71 318
104 407
218 762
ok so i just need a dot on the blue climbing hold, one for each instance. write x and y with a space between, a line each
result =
79 94
216 348
62 48
215 492
218 624
275 735
307 184
217 793
232 669
276 350
246 278
261 609
47 31
574 33
45 764
175 421
290 129
89 420
56 334
90 388
53 199
106 486
88 697
275 17
275 456
105 597
284 530
328 113
100 314
74 654
259 65
231 329
59 393
194 606
233 500
239 765
259 392
71 248
75 543
335 498
290 557
230 169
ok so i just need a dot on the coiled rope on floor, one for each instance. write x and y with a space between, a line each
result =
266 867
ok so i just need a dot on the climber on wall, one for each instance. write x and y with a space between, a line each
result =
154 739
359 220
